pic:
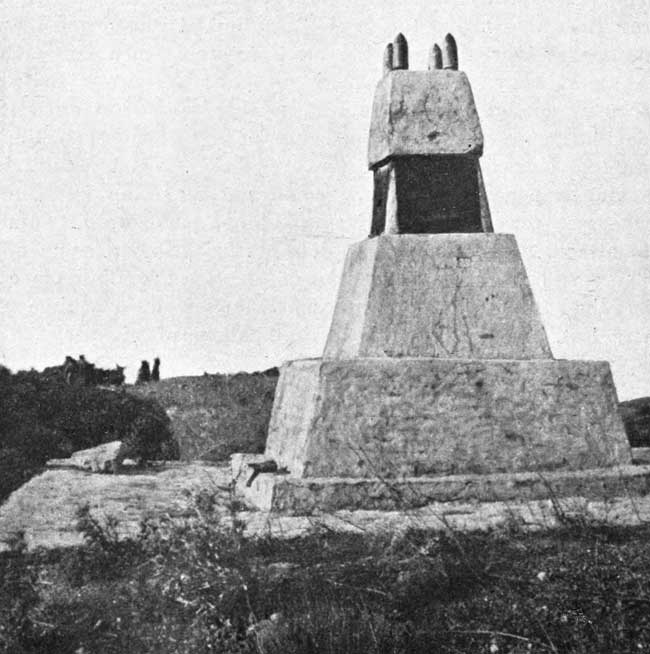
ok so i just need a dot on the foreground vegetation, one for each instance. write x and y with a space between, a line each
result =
42 417
583 588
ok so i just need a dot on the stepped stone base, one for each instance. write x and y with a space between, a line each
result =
288 495
402 418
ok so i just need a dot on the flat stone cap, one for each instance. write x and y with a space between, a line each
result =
423 113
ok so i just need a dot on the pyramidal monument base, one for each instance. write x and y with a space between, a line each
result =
437 382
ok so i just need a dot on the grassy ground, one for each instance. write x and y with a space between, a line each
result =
636 418
214 416
583 588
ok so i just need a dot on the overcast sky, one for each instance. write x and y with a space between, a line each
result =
182 179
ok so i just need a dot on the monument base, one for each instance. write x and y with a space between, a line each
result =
402 418
287 495
395 434
449 296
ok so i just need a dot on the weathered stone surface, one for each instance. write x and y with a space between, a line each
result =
106 457
45 507
423 113
288 495
530 515
346 334
415 417
443 295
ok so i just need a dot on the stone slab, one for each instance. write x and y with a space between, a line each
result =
103 458
44 509
530 515
436 295
423 113
290 496
422 417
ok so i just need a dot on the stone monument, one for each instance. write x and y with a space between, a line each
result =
437 381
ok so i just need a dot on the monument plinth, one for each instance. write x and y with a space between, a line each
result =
462 296
437 379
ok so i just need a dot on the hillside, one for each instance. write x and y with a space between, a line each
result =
43 417
636 418
213 416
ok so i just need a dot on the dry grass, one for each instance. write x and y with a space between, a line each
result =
582 588
214 416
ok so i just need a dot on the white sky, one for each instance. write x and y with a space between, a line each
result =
182 179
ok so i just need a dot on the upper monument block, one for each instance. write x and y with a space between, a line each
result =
423 112
424 149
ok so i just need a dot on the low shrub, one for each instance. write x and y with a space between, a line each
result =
43 417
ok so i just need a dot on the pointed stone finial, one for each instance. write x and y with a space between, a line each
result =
435 57
451 53
400 53
388 58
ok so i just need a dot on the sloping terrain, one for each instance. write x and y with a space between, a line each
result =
636 418
213 416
